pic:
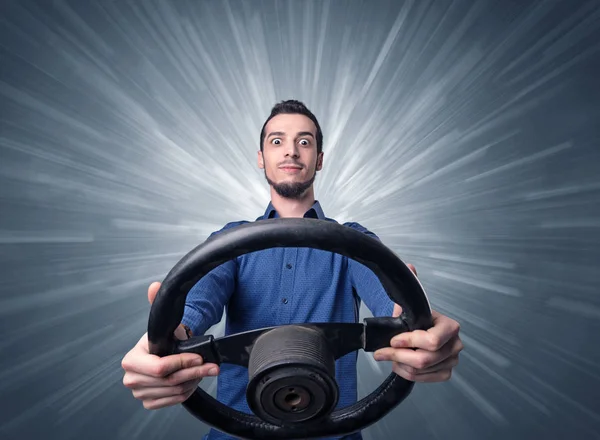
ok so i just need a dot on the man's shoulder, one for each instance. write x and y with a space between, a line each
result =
360 228
234 224
229 225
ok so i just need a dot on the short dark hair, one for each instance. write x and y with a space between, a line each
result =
292 106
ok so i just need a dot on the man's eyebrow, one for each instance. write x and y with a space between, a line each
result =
281 133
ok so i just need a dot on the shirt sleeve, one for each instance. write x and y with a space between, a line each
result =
367 285
207 299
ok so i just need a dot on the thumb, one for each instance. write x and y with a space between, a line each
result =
412 268
152 291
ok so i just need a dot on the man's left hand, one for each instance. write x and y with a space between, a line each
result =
424 356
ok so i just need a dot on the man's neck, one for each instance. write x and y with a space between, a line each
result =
292 207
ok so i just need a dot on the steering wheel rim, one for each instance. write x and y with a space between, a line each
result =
396 278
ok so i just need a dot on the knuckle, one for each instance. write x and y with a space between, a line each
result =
407 373
160 370
457 327
411 376
421 362
434 342
180 390
125 365
410 370
173 380
128 382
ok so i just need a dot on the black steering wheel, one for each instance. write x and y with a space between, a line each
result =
292 389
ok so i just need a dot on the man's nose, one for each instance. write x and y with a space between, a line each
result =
291 149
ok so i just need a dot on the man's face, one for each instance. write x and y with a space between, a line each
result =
289 155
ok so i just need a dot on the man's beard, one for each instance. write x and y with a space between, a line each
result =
291 190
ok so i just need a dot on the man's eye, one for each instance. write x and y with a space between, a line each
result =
276 141
304 142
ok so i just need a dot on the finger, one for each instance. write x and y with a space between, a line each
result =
137 381
411 267
152 291
154 404
447 364
162 392
433 339
438 376
138 361
418 359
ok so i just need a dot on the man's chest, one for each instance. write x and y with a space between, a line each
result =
292 285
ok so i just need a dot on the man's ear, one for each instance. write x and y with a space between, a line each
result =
319 161
260 160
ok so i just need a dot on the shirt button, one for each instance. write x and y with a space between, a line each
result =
284 300
289 266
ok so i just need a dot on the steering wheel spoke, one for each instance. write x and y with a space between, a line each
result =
380 331
204 345
343 338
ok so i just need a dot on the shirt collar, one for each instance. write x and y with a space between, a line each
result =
314 212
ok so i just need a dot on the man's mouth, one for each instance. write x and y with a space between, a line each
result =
290 167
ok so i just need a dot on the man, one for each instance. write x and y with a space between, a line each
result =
286 286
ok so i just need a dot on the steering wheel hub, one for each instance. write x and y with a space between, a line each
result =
291 376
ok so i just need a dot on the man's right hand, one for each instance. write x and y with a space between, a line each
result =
163 381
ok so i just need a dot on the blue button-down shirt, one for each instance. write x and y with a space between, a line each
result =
284 286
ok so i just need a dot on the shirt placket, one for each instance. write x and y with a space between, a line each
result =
287 281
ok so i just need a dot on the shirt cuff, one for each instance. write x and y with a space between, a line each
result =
192 318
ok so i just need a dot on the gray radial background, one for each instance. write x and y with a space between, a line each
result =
466 134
